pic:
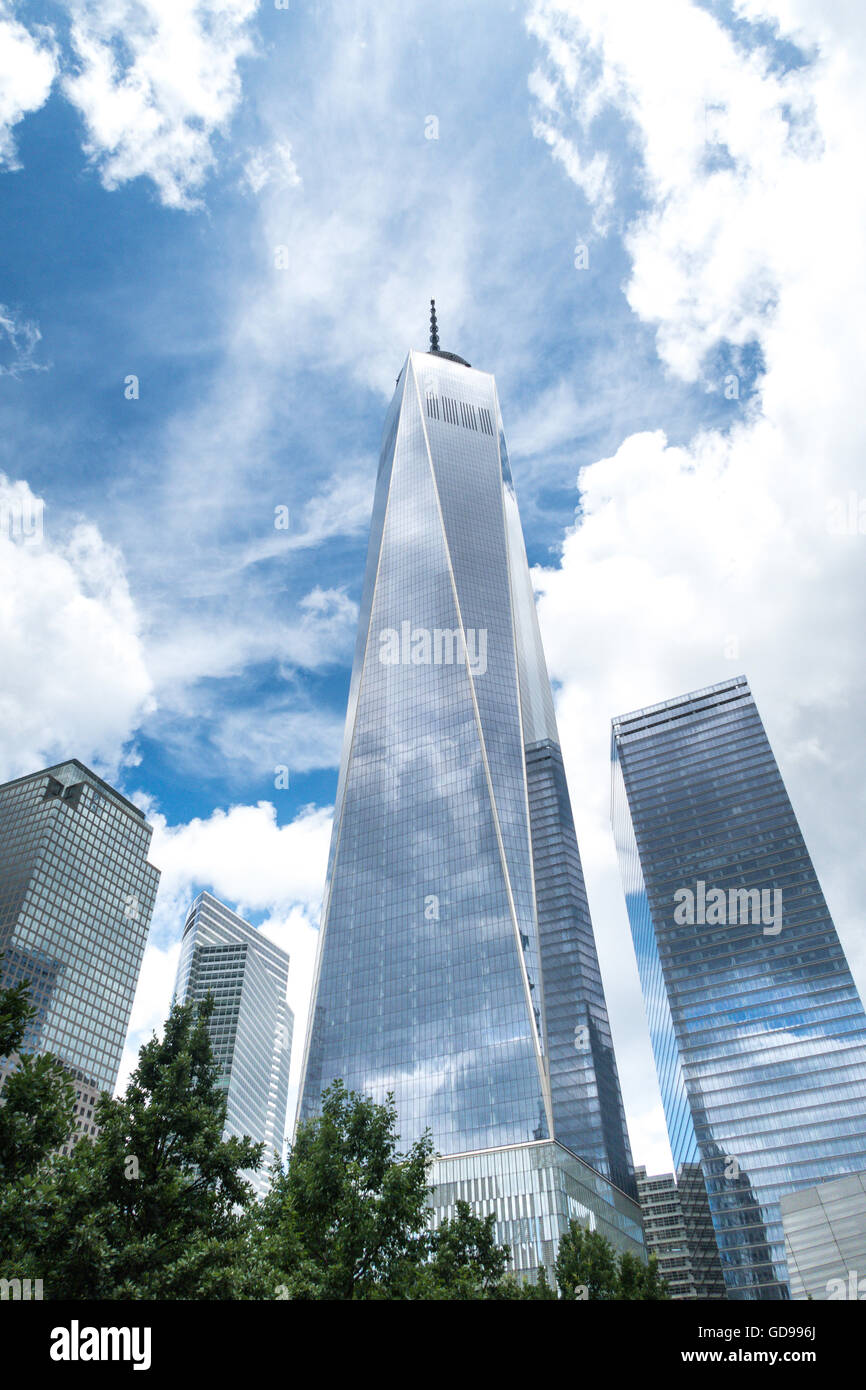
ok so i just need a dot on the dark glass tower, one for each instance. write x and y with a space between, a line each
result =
457 966
758 1031
76 898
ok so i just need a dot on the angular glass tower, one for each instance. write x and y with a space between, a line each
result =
758 1031
457 966
251 1025
76 898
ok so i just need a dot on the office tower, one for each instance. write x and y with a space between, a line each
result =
825 1239
679 1230
251 1024
758 1032
76 897
457 966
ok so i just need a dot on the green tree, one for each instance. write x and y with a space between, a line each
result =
347 1219
16 1012
155 1206
465 1261
521 1289
639 1281
588 1267
38 1099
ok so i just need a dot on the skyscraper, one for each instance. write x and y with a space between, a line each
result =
679 1231
457 965
758 1031
76 898
251 1024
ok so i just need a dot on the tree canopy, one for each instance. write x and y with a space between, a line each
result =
158 1204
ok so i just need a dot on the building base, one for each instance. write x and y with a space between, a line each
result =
535 1190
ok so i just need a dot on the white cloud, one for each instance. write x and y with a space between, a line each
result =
28 65
649 1138
186 651
693 563
272 164
553 419
302 740
75 682
592 175
150 1006
243 855
22 337
341 508
351 291
156 82
716 130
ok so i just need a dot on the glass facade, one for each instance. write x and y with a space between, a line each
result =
534 1191
825 1239
76 898
251 1024
758 1031
457 966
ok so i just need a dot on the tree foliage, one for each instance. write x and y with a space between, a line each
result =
349 1218
588 1267
36 1115
157 1205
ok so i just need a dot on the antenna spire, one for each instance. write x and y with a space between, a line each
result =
434 330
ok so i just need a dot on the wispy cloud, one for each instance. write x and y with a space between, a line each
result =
19 339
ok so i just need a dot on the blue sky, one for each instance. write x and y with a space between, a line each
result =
160 160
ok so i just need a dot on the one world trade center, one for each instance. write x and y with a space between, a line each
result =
457 966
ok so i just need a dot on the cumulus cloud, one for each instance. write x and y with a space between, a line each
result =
740 550
257 867
244 855
156 82
28 66
75 682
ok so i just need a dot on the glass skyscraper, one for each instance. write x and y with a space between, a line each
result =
457 965
758 1031
76 898
251 1024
